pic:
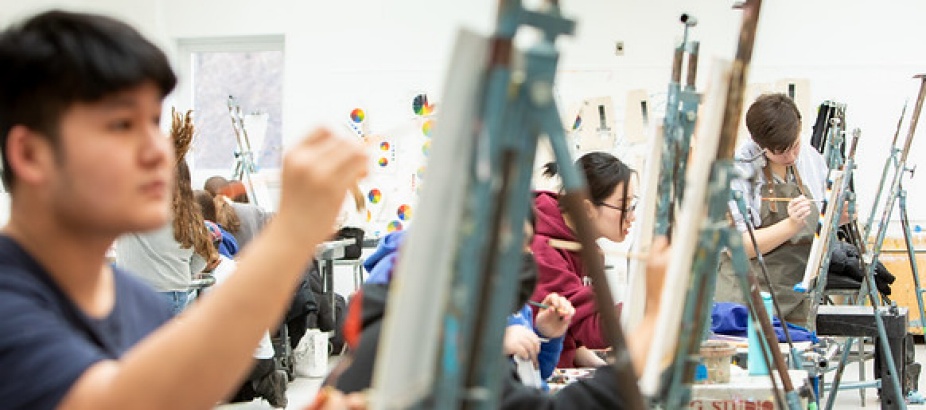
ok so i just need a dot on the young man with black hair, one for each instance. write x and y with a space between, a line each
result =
84 162
791 175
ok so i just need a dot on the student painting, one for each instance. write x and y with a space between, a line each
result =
789 177
363 327
85 162
610 208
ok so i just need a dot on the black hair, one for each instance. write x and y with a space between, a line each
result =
58 58
532 217
603 173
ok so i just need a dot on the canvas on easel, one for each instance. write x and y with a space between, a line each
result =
799 91
593 128
636 116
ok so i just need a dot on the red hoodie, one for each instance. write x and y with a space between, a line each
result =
561 271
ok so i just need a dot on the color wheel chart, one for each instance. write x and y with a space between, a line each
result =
398 155
421 106
357 121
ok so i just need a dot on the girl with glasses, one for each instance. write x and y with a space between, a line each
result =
610 208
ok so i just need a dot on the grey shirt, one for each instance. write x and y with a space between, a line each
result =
810 164
157 258
252 219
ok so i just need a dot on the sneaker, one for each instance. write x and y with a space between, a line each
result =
273 389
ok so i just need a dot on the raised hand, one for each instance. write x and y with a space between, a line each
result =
316 175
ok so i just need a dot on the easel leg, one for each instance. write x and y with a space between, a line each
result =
911 255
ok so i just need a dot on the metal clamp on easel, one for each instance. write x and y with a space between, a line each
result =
678 127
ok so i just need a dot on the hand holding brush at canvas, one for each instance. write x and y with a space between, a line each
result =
798 210
553 321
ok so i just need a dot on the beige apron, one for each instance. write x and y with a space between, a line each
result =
787 262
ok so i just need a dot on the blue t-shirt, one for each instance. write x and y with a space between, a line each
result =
46 342
549 350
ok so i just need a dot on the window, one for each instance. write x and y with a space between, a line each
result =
251 70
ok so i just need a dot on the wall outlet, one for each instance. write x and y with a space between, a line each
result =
618 48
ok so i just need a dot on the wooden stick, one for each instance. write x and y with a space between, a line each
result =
788 200
565 245
576 247
629 255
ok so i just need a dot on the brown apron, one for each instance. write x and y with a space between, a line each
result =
787 262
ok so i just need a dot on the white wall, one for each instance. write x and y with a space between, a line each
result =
375 53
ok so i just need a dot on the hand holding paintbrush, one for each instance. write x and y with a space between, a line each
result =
554 316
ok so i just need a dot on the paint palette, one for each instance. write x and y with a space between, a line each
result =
567 376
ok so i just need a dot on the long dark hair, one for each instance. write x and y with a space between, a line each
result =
189 229
603 173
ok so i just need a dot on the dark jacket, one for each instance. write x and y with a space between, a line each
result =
845 270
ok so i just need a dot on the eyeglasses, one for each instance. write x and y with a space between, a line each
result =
631 208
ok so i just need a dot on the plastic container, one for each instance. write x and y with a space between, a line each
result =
755 361
716 356
310 357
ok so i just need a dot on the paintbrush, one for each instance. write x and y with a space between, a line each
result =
788 200
538 304
576 247
628 255
543 306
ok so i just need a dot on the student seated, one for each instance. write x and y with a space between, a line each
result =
227 244
539 341
266 380
611 210
85 162
242 219
364 325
